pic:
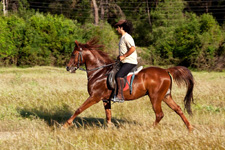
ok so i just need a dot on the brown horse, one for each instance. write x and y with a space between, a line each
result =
152 81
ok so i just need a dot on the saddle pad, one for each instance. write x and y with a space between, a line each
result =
129 77
127 86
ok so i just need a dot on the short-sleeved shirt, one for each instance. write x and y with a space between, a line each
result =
126 42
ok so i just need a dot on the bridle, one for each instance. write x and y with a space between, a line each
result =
80 60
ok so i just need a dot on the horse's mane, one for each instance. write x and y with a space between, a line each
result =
93 45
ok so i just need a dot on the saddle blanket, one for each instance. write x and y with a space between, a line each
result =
130 78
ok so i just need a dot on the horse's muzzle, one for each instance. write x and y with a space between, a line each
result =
71 69
67 68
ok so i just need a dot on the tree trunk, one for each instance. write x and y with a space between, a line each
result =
95 11
5 7
156 3
3 4
149 17
206 8
117 8
102 10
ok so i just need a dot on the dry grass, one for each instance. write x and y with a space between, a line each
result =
34 102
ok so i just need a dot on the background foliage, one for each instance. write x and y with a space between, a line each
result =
168 32
46 39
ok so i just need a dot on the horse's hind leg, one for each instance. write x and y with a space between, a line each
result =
170 102
156 105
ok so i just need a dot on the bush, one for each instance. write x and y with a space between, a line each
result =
40 40
166 21
49 40
181 38
11 32
197 41
212 37
188 39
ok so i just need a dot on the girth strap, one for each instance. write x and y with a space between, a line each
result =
131 82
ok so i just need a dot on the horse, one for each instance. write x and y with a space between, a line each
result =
155 82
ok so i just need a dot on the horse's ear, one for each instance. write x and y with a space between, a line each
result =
77 44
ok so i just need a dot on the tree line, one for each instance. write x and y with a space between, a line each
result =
167 32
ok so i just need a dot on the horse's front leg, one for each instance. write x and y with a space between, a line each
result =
108 112
89 102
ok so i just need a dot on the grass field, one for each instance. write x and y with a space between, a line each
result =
35 102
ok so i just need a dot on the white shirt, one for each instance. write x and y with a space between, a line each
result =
126 42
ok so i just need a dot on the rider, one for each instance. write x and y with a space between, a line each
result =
127 56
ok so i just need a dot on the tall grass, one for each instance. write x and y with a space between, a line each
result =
34 102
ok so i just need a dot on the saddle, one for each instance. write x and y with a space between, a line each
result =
111 81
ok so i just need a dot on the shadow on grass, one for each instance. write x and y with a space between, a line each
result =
58 116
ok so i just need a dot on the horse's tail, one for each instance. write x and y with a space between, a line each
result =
183 75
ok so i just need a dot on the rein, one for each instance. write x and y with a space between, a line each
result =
88 70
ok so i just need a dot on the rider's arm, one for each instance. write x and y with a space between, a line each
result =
128 53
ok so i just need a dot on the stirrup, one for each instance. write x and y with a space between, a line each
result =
116 99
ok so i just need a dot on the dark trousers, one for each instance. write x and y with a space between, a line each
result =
125 69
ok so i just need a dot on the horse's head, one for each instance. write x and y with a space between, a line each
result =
76 59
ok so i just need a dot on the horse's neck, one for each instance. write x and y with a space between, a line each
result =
93 60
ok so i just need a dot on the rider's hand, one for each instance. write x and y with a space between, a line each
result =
122 57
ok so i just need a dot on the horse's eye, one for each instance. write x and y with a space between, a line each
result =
73 55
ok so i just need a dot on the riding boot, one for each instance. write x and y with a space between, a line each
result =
120 85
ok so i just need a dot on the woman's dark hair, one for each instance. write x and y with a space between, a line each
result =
127 25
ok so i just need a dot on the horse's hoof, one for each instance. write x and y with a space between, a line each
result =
110 125
190 129
66 125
